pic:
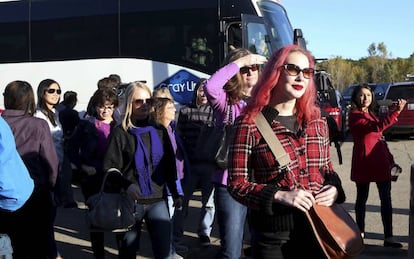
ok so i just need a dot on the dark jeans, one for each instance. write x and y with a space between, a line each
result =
384 190
201 178
28 227
90 185
157 219
300 242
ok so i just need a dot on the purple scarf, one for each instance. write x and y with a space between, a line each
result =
143 158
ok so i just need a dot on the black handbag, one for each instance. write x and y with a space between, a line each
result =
214 141
110 211
222 153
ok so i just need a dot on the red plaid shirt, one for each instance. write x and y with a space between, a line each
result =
253 171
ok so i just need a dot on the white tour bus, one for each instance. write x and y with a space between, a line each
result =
164 42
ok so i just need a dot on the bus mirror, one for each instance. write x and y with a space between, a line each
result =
298 38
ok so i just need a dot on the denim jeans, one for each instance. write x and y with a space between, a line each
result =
231 217
201 178
65 183
158 224
177 222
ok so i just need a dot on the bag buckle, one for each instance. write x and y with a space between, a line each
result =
285 168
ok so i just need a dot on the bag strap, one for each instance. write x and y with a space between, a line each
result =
273 142
109 171
229 112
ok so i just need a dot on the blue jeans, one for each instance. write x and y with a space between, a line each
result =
158 224
201 178
206 220
231 217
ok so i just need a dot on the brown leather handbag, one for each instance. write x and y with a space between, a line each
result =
335 230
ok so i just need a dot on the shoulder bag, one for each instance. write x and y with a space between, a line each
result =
335 230
110 211
214 141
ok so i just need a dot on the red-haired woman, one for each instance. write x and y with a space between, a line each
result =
276 198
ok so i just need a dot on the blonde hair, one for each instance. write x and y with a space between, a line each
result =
129 93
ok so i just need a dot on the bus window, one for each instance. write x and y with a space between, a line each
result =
182 37
257 36
68 34
198 50
234 36
14 27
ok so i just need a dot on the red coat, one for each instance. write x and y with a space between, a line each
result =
371 158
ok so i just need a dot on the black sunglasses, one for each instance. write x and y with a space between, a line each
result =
294 70
53 90
245 70
140 102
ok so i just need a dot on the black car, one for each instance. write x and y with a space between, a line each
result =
332 107
331 101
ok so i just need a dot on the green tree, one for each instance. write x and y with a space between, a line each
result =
376 68
377 62
340 71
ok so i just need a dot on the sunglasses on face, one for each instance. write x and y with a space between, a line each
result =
245 70
294 70
53 90
140 102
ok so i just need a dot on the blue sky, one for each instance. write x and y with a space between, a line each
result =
346 28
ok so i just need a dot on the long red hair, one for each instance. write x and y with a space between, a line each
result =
306 107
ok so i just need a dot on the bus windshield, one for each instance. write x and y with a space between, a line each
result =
279 28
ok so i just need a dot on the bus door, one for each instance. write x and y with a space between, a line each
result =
256 35
250 33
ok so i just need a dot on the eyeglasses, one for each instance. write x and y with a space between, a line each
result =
140 102
294 70
103 108
245 70
53 90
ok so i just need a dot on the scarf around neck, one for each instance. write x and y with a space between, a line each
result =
143 158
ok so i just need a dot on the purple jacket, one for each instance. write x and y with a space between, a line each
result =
35 145
218 100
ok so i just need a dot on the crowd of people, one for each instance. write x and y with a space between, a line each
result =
143 136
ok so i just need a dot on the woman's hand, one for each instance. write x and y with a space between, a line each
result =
299 199
133 191
250 59
400 104
178 203
326 196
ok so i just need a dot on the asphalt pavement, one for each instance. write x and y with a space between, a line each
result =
73 239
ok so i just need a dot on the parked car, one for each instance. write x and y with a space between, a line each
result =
333 108
332 102
405 123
